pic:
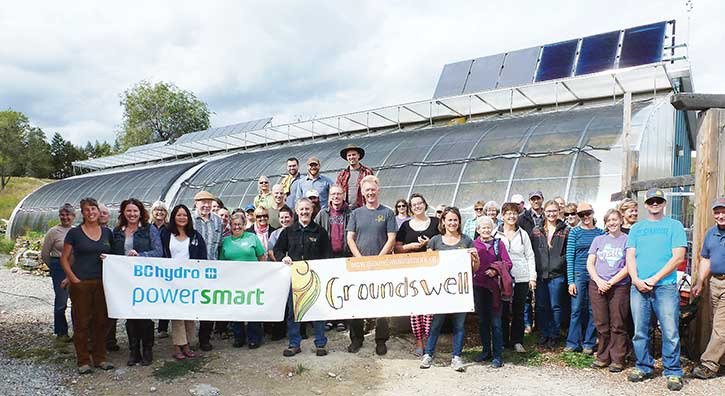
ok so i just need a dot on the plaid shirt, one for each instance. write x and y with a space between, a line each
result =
211 230
469 228
343 178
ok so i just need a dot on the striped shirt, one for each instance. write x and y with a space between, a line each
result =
577 251
211 230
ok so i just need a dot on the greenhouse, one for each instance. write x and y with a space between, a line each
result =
562 135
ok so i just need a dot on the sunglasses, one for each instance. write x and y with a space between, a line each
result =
478 209
314 165
402 206
585 213
571 214
263 182
439 211
262 216
655 201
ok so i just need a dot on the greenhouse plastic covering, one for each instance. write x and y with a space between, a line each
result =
572 153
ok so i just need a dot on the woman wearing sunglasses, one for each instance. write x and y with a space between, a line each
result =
582 336
570 217
402 212
264 198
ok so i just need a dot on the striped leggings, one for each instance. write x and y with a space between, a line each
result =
420 325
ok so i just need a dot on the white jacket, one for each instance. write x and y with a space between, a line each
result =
522 255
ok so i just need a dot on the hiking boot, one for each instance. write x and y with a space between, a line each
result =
85 369
588 351
703 372
105 366
321 351
616 368
147 356
569 349
354 347
457 364
426 362
381 349
497 363
291 351
638 376
519 348
674 383
598 364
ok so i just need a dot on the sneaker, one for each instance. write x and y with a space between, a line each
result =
328 326
354 347
341 327
291 351
105 365
588 351
527 329
638 376
321 351
85 369
497 363
519 348
598 364
703 372
482 357
674 383
426 362
163 334
381 349
615 368
569 349
253 345
457 364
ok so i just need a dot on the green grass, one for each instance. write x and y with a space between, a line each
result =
576 359
16 190
179 368
6 246
300 369
58 353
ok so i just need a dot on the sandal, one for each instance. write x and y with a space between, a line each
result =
189 353
179 356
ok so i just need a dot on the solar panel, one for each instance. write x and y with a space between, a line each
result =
212 133
519 67
453 79
598 53
643 45
147 146
557 60
484 73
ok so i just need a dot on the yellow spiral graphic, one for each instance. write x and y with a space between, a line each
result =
305 288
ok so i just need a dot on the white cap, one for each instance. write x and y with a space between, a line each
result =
517 198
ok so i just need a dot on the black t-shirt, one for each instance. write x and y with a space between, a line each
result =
87 263
408 235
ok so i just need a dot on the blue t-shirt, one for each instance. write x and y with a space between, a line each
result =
654 241
713 248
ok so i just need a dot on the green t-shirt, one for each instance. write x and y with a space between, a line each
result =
246 247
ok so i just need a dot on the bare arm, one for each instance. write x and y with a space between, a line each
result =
632 270
678 254
702 274
352 245
65 263
45 251
388 247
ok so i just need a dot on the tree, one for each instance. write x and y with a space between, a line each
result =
13 128
158 112
97 150
62 154
37 158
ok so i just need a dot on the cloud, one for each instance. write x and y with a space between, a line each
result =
65 65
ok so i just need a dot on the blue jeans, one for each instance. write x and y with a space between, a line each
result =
459 320
60 323
581 317
251 330
294 338
549 294
489 323
528 311
664 302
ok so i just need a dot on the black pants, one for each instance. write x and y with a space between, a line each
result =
163 325
140 333
512 320
205 329
357 330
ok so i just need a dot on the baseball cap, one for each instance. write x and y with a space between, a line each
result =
654 193
312 193
536 194
718 203
248 207
518 198
312 160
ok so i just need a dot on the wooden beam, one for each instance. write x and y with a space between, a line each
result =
709 183
665 182
627 157
692 102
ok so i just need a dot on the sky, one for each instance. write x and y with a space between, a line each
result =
65 64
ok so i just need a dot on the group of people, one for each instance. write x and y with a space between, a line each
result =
533 268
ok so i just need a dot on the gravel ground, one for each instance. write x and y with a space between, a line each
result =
31 363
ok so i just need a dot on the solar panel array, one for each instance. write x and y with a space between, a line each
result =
213 133
634 46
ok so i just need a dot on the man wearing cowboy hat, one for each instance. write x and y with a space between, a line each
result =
349 178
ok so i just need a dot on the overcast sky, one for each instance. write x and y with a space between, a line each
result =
64 64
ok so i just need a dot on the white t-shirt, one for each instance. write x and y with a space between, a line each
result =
179 249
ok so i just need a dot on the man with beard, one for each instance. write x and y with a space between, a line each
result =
292 176
313 181
349 178
534 217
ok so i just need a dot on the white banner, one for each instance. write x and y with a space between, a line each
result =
160 288
383 286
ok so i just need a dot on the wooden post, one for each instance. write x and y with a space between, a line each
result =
627 157
709 183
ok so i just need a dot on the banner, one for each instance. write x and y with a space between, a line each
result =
383 286
160 288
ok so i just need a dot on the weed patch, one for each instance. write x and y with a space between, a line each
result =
178 368
576 359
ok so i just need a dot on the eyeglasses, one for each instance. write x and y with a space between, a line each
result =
262 216
571 214
551 211
313 198
478 209
655 201
585 213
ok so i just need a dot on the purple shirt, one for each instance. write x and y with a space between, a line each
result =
610 253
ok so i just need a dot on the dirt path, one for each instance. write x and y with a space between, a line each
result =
26 342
